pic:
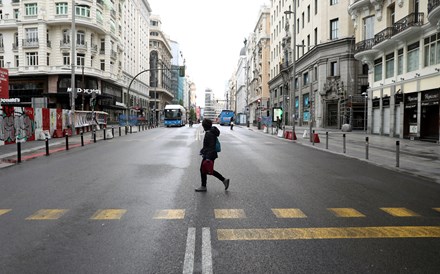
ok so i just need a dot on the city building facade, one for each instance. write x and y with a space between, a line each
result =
312 61
400 43
36 48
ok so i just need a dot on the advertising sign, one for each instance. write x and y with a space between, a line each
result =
4 83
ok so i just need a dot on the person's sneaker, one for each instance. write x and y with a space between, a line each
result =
226 183
201 189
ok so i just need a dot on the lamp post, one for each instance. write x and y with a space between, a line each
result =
292 85
365 94
73 62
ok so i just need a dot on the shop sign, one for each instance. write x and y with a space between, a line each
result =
4 83
85 91
411 100
10 100
430 98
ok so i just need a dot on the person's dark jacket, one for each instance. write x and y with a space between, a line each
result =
208 150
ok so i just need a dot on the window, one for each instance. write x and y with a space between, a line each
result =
80 60
1 40
316 36
389 65
316 7
99 16
297 25
302 20
31 9
333 68
308 13
17 62
2 62
432 50
412 57
368 28
61 9
32 35
32 58
80 38
66 59
82 10
66 36
334 28
333 2
102 64
315 74
306 79
400 62
16 13
378 69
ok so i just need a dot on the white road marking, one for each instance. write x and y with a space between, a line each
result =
188 265
206 251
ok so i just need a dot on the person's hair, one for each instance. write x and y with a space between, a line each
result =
206 124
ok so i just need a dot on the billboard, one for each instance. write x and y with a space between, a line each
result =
4 83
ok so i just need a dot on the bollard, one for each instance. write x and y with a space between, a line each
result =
82 138
47 146
105 138
67 141
131 129
94 136
366 147
18 152
119 131
397 153
313 138
139 128
326 140
113 132
343 142
126 130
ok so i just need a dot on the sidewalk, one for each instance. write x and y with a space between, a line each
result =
413 157
37 148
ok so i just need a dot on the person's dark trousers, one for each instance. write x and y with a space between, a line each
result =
205 176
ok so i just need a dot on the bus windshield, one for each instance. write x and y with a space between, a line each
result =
172 114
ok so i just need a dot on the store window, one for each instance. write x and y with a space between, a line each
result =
378 69
413 57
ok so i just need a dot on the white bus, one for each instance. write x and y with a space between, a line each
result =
175 115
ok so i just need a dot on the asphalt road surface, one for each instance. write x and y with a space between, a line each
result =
128 205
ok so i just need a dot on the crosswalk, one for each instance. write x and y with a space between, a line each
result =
180 214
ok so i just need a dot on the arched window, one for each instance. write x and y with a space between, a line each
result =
66 36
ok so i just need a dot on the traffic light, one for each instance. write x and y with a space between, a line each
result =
182 71
259 102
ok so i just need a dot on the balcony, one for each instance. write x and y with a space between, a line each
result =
94 48
398 31
113 54
30 43
433 11
64 44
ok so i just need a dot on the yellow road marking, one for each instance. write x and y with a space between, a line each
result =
47 214
108 214
399 212
229 213
328 233
170 214
437 209
4 211
288 213
346 212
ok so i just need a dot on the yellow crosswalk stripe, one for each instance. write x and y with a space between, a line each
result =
346 212
108 214
288 213
328 233
47 214
170 214
4 211
437 209
229 213
399 212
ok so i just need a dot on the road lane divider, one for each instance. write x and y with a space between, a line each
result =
288 213
188 264
206 251
170 214
328 233
4 211
108 214
399 212
229 214
346 212
47 214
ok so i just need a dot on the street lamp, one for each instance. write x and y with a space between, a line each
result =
73 62
365 94
292 86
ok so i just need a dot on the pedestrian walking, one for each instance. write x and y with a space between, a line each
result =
209 154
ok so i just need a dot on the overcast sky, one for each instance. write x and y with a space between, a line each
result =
210 34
